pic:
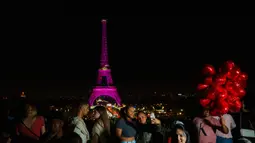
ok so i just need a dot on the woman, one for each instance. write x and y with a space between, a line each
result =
31 127
101 129
125 127
179 134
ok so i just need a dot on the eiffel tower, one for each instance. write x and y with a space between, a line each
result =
104 81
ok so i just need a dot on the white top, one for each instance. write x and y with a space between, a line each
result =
230 123
81 129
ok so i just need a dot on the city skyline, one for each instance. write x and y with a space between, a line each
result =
145 53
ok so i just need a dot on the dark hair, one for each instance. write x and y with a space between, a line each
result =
124 110
104 117
141 112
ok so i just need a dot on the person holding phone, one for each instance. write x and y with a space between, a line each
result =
148 132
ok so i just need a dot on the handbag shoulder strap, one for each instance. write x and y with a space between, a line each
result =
29 129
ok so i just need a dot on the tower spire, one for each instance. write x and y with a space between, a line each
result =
104 53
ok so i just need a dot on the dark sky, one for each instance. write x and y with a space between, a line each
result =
146 53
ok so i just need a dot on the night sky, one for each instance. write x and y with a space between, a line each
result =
146 54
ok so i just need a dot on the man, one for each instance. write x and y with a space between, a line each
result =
56 132
79 125
230 123
206 127
147 133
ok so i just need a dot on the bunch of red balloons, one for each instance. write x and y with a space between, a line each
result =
224 90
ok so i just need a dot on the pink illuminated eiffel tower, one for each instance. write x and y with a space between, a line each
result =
104 81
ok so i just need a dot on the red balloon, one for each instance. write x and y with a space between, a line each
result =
209 70
212 105
236 106
223 106
231 89
242 83
232 99
234 73
220 80
205 102
237 84
202 86
220 89
241 92
233 92
222 96
224 110
230 65
215 112
225 90
229 85
211 95
243 76
208 80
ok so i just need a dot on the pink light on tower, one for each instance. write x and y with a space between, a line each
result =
104 80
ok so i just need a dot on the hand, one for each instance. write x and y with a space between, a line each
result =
222 120
155 121
208 122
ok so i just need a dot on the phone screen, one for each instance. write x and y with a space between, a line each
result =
152 116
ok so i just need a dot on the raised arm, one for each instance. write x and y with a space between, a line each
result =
223 127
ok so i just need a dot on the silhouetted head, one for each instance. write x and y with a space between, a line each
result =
56 125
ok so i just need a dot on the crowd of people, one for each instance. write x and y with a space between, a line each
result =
131 127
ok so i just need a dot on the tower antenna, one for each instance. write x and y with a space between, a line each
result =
104 53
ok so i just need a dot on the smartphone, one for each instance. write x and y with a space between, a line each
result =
152 116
